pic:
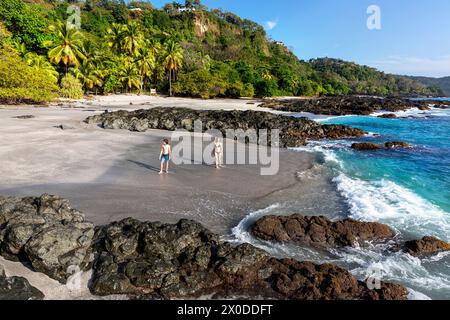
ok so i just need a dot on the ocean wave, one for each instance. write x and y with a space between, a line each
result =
326 148
399 267
416 112
387 202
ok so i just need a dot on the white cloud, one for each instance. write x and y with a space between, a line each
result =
271 24
415 66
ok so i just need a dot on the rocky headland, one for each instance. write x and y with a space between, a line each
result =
150 260
293 131
350 105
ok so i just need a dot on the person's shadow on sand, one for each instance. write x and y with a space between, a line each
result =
143 165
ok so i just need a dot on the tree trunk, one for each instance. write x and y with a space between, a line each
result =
170 82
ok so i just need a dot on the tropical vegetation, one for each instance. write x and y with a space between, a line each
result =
182 49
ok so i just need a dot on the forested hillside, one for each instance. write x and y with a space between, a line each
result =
443 83
182 49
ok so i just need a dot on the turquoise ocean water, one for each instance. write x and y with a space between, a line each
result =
407 189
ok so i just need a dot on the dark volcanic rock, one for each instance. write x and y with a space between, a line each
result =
426 246
17 288
366 146
397 145
46 232
28 116
293 131
162 261
388 116
154 260
319 231
344 105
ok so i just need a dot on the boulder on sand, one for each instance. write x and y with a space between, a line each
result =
319 231
17 288
47 233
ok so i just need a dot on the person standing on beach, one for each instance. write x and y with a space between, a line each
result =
218 152
165 155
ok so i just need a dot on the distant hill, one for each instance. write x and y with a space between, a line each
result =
442 83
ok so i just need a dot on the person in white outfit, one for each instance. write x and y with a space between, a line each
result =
218 152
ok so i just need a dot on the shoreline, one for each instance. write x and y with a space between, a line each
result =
97 184
307 176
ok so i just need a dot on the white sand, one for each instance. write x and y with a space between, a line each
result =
112 174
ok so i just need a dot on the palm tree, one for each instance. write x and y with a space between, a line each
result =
41 64
20 47
90 73
146 64
132 38
129 75
172 60
114 37
67 47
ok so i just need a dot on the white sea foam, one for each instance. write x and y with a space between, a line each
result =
326 148
325 118
396 267
416 112
240 232
383 201
387 202
414 295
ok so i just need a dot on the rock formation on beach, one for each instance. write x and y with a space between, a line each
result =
345 105
293 131
161 261
17 288
46 232
151 260
319 231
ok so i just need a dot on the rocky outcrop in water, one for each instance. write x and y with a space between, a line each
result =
365 146
426 246
319 231
388 116
293 131
397 145
344 105
46 232
17 288
149 260
154 260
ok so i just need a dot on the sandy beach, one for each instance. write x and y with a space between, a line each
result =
113 174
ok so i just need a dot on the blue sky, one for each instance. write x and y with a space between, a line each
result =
414 38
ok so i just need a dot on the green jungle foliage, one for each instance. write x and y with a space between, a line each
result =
182 49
